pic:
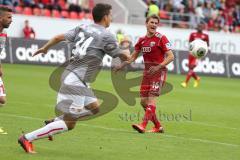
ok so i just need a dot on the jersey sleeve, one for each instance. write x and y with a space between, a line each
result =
138 45
71 34
191 37
110 45
164 44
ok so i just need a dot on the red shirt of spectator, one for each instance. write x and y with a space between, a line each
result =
28 31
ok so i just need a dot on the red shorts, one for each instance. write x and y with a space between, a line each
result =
152 84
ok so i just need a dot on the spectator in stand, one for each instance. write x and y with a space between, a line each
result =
28 31
74 6
152 8
10 3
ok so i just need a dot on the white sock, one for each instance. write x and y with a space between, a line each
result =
50 129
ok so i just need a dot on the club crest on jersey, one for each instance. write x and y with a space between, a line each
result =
152 44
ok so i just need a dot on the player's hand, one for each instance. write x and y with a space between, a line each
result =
121 66
40 51
154 69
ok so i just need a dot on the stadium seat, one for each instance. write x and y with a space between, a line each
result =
27 11
73 15
81 15
64 14
46 12
37 12
18 9
56 13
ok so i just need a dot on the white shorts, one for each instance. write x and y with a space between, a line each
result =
2 89
74 95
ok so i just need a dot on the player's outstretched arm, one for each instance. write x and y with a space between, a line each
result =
129 60
55 40
169 58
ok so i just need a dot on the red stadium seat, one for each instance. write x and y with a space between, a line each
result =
27 11
18 9
46 12
56 13
73 15
37 12
65 14
81 15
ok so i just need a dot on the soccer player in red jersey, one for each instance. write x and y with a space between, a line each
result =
192 61
157 54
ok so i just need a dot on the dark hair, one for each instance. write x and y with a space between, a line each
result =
4 9
100 10
154 16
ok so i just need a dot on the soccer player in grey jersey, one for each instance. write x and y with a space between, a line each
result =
75 98
5 21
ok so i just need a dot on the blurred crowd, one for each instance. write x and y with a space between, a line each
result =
75 9
217 15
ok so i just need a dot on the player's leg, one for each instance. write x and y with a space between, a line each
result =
57 126
196 79
2 93
189 75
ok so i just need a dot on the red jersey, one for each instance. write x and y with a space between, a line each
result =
28 32
153 49
196 35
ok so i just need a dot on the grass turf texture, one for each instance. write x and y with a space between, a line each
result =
212 131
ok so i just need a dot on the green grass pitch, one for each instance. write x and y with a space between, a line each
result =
209 128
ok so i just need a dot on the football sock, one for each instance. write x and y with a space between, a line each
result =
154 118
147 116
189 75
50 129
194 75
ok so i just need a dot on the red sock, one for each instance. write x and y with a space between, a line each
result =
154 118
194 75
189 75
147 116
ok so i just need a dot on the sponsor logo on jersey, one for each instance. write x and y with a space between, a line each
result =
146 49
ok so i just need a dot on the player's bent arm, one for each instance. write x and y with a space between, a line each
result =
125 55
55 40
131 59
169 58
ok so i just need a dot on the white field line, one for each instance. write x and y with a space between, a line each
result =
193 122
122 130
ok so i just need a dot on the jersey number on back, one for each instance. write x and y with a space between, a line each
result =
82 45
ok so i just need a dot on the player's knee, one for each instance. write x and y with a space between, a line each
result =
143 103
2 101
94 107
70 124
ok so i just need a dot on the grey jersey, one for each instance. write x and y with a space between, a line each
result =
3 37
91 43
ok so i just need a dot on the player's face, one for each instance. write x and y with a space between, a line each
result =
152 25
6 19
108 19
